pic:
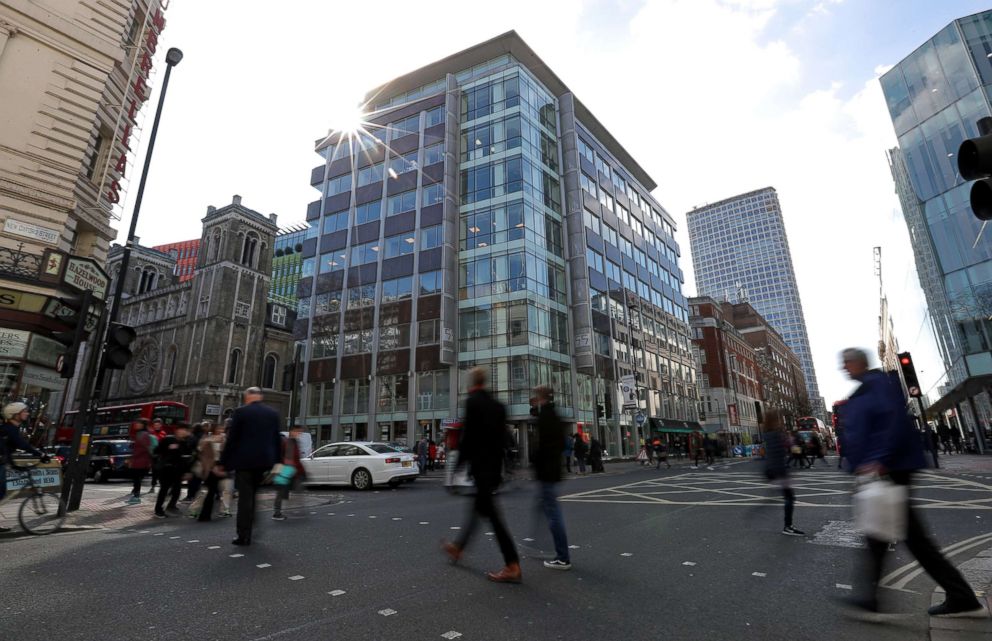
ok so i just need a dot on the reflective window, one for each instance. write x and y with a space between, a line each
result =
594 259
433 154
430 282
586 151
336 221
368 212
333 261
399 245
339 185
403 164
407 201
397 289
432 194
370 174
431 237
434 116
365 253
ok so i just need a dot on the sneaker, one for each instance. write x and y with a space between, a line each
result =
558 564
278 517
133 500
225 514
792 531
173 510
161 515
192 514
974 610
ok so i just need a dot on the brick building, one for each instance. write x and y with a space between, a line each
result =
186 255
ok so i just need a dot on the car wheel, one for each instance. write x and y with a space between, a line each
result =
361 479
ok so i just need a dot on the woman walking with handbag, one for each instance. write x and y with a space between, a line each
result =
209 451
291 474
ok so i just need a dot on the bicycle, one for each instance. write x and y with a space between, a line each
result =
40 512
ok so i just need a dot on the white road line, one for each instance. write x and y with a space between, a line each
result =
373 517
573 547
159 534
336 592
236 556
263 565
142 531
296 577
387 612
626 554
425 523
213 547
761 574
490 533
689 563
397 518
174 537
193 541
451 634
455 527
844 586
528 539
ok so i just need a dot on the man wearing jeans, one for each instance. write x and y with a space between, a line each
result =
551 437
880 439
252 448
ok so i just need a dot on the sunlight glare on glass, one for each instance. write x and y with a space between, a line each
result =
345 117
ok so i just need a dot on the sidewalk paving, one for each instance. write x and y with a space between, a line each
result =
965 464
978 572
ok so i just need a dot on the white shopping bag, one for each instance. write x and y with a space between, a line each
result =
881 509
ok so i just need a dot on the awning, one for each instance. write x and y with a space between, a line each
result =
672 426
971 386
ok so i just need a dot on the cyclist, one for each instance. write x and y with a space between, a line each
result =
14 414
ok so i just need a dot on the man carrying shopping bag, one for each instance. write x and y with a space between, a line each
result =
882 447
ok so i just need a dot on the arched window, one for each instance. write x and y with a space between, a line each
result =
232 367
248 249
269 372
148 277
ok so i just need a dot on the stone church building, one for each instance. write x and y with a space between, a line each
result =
203 341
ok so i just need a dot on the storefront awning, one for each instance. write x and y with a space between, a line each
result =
971 386
673 426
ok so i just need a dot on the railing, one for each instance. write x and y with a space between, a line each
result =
14 262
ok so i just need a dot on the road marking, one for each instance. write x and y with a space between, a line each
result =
528 539
330 514
351 515
761 574
193 541
573 547
913 569
263 565
236 556
159 534
313 513
387 612
425 523
451 634
336 592
689 563
296 577
397 518
213 547
844 586
373 516
455 527
626 554
142 531
490 533
173 537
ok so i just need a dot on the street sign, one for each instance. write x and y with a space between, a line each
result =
628 391
212 410
639 418
83 274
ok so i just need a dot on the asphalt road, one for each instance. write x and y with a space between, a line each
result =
680 554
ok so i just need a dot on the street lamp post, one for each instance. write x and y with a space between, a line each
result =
91 397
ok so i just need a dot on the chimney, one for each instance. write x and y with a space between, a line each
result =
211 209
236 200
272 218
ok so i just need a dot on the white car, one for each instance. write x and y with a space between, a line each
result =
359 464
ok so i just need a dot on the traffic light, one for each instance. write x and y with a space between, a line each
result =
117 353
975 163
72 311
909 375
600 410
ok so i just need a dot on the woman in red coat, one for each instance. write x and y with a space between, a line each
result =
431 454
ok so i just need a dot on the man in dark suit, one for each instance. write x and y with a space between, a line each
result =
252 448
482 445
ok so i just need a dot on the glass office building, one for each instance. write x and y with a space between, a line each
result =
740 253
287 263
482 216
935 97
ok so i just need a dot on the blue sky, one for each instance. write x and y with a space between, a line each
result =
713 97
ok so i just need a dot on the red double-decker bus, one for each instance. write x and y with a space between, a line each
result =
115 421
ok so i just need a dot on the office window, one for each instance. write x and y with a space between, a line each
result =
328 303
605 199
402 164
610 235
399 245
626 247
361 296
397 289
428 332
433 154
594 259
434 116
365 253
333 261
613 271
591 221
370 174
407 201
368 212
394 337
431 237
588 185
404 127
430 282
432 194
586 151
603 167
623 214
336 221
339 185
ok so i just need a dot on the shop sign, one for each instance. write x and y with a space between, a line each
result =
212 410
29 230
40 377
45 351
63 313
84 274
21 301
13 342
628 391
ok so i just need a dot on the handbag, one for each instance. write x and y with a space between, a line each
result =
881 508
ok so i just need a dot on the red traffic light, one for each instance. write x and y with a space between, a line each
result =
904 360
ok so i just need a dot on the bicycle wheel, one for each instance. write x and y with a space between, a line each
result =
39 513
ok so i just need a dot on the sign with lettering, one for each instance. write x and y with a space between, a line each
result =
55 309
628 391
83 274
47 476
21 301
40 377
137 94
41 234
212 410
44 351
583 342
13 342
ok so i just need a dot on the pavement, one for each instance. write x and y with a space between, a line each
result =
681 554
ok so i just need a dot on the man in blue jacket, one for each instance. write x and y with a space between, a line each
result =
880 438
14 415
252 447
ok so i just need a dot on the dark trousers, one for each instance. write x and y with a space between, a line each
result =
926 552
193 487
568 462
170 482
484 506
155 478
139 477
248 482
207 509
548 500
790 504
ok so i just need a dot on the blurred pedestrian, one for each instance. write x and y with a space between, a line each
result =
290 457
158 431
174 458
569 452
422 450
209 450
252 448
581 451
709 448
661 454
551 437
596 456
642 454
141 456
956 440
431 454
880 440
193 487
482 443
776 469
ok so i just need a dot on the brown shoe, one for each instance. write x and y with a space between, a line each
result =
453 551
509 574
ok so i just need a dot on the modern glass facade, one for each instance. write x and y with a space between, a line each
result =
740 252
287 263
935 97
445 229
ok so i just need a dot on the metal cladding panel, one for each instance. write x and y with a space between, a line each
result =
368 193
317 175
403 182
309 248
331 242
397 267
365 233
313 210
432 215
337 202
400 223
430 260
